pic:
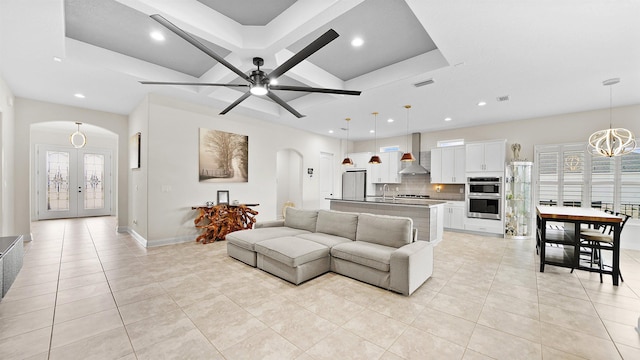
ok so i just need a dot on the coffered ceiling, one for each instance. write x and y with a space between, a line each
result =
548 57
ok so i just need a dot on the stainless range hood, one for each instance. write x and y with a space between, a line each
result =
415 168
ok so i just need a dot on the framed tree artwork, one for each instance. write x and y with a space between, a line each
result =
224 156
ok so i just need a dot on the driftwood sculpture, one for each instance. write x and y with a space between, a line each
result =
219 220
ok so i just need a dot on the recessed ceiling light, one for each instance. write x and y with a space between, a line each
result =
371 131
157 36
389 120
357 42
448 119
57 59
330 131
79 96
482 103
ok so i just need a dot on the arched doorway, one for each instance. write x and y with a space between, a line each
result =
68 182
288 179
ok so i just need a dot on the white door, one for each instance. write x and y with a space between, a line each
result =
326 179
72 182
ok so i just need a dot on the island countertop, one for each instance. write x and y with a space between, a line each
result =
377 200
427 214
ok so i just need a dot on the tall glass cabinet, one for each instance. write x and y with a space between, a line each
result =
518 210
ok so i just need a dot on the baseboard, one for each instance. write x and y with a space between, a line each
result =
171 241
137 237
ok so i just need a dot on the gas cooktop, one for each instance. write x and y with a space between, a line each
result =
412 196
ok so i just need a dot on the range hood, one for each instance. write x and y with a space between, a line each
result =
415 168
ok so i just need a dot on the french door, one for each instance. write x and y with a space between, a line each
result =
72 182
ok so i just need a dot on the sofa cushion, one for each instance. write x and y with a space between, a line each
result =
292 251
385 230
337 223
364 253
246 239
324 239
301 219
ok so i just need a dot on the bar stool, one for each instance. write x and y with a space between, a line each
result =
597 240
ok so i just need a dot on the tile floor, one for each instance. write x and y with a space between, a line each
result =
86 292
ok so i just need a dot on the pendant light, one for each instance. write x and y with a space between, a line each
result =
347 160
611 142
407 156
78 139
375 159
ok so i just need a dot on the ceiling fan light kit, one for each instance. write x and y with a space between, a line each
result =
611 142
259 82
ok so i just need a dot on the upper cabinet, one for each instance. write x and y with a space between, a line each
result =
448 165
485 156
387 171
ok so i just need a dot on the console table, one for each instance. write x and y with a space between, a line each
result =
569 235
219 220
11 253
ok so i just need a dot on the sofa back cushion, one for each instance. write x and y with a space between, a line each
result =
385 230
338 223
301 219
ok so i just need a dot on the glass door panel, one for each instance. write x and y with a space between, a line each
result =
72 182
57 180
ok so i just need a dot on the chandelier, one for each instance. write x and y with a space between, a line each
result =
78 139
611 142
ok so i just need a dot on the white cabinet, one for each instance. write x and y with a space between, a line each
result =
387 171
360 160
454 215
485 156
448 165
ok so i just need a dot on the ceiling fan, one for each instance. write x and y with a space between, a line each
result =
259 82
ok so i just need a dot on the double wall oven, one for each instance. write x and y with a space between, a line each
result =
484 197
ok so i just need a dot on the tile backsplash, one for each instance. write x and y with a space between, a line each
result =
421 185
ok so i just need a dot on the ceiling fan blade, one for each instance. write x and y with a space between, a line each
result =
316 45
314 89
281 102
190 83
235 103
183 34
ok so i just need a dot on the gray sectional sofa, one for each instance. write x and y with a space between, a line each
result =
376 249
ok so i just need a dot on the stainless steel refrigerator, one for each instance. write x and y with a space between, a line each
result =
354 185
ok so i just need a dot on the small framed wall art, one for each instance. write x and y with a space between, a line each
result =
223 197
134 151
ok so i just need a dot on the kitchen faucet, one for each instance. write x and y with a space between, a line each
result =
385 188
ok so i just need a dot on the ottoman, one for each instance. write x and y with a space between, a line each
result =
293 259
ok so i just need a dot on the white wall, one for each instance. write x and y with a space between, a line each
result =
171 163
289 179
138 178
28 112
7 187
556 129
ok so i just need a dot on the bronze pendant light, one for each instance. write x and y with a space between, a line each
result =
375 159
347 160
407 156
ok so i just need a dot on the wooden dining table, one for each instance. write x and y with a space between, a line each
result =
567 235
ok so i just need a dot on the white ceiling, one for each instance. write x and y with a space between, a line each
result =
549 56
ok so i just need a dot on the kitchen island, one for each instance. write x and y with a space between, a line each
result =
427 215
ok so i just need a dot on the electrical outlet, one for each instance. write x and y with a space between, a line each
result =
397 188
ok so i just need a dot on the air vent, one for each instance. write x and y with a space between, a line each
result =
423 83
503 98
